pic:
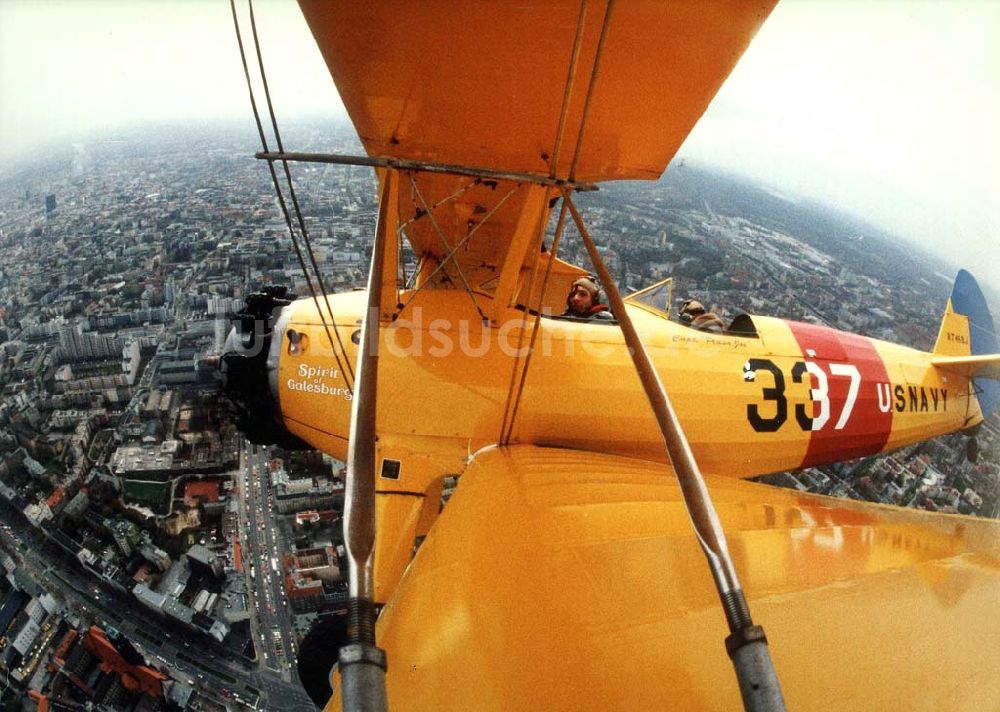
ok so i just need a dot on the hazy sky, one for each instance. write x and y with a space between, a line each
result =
884 108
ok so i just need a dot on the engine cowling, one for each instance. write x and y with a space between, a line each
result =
247 363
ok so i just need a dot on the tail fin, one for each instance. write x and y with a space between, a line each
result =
968 337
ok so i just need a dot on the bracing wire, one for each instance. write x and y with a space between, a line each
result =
518 354
568 93
419 213
595 73
407 282
450 257
553 253
507 428
447 245
280 195
295 202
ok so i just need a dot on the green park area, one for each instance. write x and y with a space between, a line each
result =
150 494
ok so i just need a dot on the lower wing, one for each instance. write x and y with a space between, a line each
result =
563 580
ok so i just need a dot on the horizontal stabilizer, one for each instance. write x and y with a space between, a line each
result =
983 366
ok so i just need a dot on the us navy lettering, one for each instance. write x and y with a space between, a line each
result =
918 399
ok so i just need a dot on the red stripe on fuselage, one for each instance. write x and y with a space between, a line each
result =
869 424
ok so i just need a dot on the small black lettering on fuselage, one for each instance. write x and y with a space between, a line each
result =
958 338
920 399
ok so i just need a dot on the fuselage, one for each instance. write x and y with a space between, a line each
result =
778 395
792 395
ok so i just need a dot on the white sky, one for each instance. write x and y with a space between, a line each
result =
888 110
884 108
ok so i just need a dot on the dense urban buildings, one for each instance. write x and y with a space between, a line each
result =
141 530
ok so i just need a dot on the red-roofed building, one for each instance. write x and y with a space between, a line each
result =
305 593
142 574
134 677
312 517
201 492
63 653
56 497
41 700
306 518
309 570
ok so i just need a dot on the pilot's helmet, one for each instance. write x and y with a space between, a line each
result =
690 309
590 285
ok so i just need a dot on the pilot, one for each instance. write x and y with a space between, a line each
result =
694 314
584 301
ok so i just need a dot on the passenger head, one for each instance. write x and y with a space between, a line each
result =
583 296
690 309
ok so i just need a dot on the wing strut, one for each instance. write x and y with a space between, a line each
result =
746 643
362 664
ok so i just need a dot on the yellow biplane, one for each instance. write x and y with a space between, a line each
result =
600 461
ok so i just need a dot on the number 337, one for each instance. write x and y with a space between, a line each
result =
820 395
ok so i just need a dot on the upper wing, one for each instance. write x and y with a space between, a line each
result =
562 580
481 83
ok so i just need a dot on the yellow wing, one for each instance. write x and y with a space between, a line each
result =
563 580
484 84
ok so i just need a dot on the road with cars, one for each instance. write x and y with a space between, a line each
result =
216 672
263 557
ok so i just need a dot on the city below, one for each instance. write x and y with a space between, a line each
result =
153 558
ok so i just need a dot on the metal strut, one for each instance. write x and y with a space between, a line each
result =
362 664
402 164
746 644
594 74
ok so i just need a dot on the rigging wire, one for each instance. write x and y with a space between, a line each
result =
570 81
590 89
419 213
560 226
444 240
518 354
507 428
280 194
453 251
408 282
295 203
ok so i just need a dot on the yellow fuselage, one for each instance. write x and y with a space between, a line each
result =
793 395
